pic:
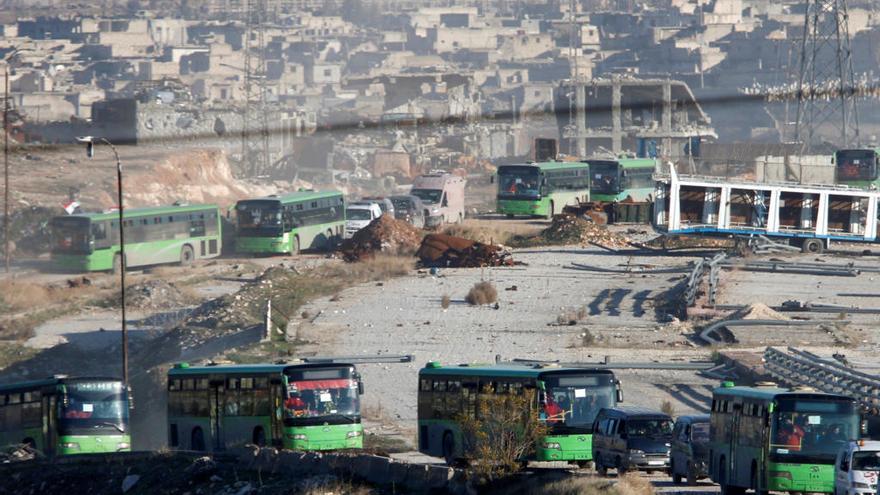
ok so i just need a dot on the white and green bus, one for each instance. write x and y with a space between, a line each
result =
166 234
766 438
542 189
287 223
567 400
65 416
302 406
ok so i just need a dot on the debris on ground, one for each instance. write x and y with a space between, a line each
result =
382 235
451 251
154 294
18 453
688 242
482 293
757 311
571 229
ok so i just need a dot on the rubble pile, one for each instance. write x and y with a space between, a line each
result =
382 235
688 241
571 229
154 294
451 251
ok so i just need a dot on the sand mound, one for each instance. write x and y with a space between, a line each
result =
757 311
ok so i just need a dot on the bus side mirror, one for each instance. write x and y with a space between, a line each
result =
360 388
619 391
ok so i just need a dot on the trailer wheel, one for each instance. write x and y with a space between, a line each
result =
813 246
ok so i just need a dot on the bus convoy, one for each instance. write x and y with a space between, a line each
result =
760 437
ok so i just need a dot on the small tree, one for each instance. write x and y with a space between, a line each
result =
503 433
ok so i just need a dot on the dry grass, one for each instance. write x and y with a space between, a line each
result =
445 301
667 408
629 484
482 293
18 296
491 231
376 268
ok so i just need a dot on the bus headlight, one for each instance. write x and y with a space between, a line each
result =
70 445
780 474
552 445
353 434
300 436
123 445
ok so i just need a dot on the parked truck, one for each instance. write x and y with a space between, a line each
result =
443 196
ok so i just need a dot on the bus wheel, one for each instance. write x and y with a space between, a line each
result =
259 437
756 481
621 467
449 449
186 255
117 264
813 246
197 440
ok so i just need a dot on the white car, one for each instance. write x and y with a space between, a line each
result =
856 468
358 216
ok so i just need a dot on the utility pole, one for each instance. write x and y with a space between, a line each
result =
826 84
573 87
255 120
6 168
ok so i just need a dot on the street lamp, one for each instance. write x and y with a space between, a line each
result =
90 142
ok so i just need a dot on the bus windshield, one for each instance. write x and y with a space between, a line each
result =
519 182
866 461
93 405
320 398
574 401
428 195
812 428
605 177
71 235
856 165
259 218
358 214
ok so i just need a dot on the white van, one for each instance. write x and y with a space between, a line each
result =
856 468
443 196
358 216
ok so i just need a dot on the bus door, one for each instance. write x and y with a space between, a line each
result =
276 398
50 424
735 465
216 395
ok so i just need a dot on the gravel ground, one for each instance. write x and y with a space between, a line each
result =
404 316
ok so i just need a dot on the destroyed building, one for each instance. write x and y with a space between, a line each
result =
652 117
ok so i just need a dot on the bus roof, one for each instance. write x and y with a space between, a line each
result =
627 162
508 370
138 212
54 380
226 369
297 196
770 393
258 368
547 166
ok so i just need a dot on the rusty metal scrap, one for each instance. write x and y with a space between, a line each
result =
452 251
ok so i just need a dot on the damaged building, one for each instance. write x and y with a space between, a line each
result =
651 117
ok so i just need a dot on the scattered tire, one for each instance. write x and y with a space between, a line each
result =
187 256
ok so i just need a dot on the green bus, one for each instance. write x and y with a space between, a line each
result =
567 399
624 179
311 406
857 167
773 439
284 224
65 416
167 234
542 189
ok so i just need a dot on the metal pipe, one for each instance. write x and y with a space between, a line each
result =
6 168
